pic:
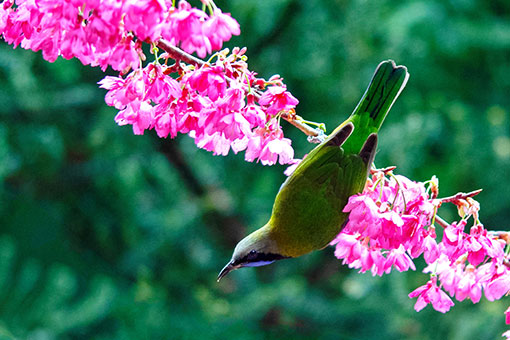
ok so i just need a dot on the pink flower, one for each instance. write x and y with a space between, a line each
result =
468 286
498 287
219 28
254 113
277 147
185 28
158 86
506 335
144 18
122 56
431 293
268 147
357 253
123 91
399 259
364 213
347 247
209 81
166 120
138 114
277 99
453 239
431 250
479 245
450 275
507 316
216 143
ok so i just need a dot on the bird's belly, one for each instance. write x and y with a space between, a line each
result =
307 220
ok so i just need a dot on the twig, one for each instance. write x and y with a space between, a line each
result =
296 121
460 196
384 170
441 222
291 117
178 54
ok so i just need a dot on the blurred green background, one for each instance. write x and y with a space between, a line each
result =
104 236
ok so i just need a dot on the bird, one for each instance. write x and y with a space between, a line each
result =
307 212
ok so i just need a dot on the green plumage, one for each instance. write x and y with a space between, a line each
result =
308 209
307 213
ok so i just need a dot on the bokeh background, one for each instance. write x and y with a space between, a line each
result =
107 235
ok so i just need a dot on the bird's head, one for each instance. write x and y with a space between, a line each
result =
257 249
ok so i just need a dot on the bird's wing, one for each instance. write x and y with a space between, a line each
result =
308 210
329 163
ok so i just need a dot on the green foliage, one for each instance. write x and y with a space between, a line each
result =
101 237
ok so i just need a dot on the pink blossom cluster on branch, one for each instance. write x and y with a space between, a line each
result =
214 104
393 222
111 32
222 105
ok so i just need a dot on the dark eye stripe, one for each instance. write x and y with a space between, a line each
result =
261 257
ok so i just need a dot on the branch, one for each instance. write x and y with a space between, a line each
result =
315 135
384 170
460 196
441 222
297 122
178 54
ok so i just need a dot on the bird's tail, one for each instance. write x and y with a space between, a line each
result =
384 88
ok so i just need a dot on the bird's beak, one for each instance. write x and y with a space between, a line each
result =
227 269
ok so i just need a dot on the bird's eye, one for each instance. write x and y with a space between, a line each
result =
252 255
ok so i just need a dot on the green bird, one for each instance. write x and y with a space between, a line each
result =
307 212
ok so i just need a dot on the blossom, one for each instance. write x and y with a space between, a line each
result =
431 250
121 91
399 259
144 17
450 275
268 147
507 316
391 219
219 28
277 99
431 293
479 245
468 286
158 86
209 81
215 104
185 28
139 114
498 287
453 242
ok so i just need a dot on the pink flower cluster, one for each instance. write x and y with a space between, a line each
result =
220 105
111 32
215 104
389 224
392 222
